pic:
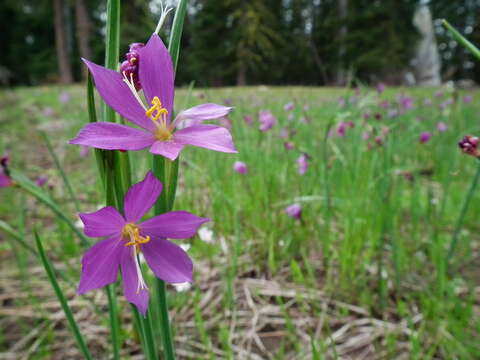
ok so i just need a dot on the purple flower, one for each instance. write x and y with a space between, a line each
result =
130 66
227 102
240 167
439 93
64 98
365 135
294 211
392 113
267 120
380 88
284 133
341 127
377 116
442 127
302 164
289 145
425 137
289 106
155 72
41 180
126 236
5 179
406 102
248 120
469 145
467 99
290 117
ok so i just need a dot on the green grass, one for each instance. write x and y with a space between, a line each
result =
369 236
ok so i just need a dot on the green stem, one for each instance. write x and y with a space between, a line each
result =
61 298
463 211
462 40
168 347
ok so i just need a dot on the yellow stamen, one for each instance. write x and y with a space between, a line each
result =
158 114
132 231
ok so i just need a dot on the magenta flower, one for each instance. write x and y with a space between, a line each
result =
294 211
64 98
380 88
41 180
442 127
289 106
267 120
240 167
341 127
467 99
126 236
406 102
289 145
5 179
425 137
469 145
155 72
302 164
248 120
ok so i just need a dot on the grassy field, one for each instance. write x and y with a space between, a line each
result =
364 274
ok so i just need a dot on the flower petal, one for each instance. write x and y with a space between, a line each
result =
141 197
100 264
110 136
207 136
168 261
105 222
197 114
5 181
118 96
155 71
130 282
169 149
174 225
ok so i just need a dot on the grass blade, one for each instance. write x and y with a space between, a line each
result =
61 298
462 40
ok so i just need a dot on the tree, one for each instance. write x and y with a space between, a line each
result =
61 43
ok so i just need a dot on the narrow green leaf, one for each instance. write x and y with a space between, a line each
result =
26 184
176 34
66 182
15 235
61 298
461 39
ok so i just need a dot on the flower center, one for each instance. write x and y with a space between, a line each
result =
132 232
158 114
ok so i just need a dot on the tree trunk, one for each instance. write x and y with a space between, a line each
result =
242 75
83 27
341 71
61 44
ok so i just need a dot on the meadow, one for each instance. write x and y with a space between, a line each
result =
367 270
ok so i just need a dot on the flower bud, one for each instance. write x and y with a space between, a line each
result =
129 67
469 145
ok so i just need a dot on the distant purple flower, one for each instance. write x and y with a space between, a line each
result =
366 116
5 179
248 120
392 113
294 211
158 133
379 140
41 180
289 106
267 120
365 135
341 128
48 111
302 164
377 116
341 102
442 127
385 104
64 98
425 137
439 93
467 99
350 124
126 237
289 145
380 88
290 117
284 133
406 102
240 167
227 102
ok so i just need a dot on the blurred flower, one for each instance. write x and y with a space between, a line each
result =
284 133
467 99
289 106
227 102
469 145
48 111
377 116
425 137
5 179
350 124
64 98
240 167
341 127
365 135
248 120
267 120
385 104
366 116
157 80
406 102
294 211
289 145
439 93
126 238
290 117
392 113
380 88
302 163
379 140
441 126
206 235
341 102
41 180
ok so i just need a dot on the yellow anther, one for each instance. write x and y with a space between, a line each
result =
156 106
133 60
132 231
